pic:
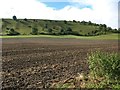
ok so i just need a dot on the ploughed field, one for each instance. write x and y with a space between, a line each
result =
43 62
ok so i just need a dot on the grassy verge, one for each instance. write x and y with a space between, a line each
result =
104 70
101 37
104 73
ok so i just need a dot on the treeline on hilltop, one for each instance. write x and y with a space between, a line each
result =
53 27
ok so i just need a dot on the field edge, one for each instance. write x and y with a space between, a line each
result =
103 37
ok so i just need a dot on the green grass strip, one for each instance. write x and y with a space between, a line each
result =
101 37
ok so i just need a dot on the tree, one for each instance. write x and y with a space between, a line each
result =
74 21
12 32
83 22
115 31
46 26
68 31
118 30
109 29
89 23
34 31
62 31
25 19
50 30
14 17
103 27
65 21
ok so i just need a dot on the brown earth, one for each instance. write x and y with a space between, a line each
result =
41 62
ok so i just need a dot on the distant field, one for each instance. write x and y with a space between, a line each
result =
108 36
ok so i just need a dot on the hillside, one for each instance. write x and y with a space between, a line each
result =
53 27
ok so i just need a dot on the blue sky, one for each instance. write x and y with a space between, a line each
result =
119 14
60 5
57 5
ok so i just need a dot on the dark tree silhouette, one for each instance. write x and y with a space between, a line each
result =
50 30
74 21
65 21
12 32
14 17
34 31
25 19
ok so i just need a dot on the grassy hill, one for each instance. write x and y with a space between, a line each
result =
53 27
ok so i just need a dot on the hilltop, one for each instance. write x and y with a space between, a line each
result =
53 27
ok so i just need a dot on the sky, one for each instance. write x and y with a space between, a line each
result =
119 14
97 11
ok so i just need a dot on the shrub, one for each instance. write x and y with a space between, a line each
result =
46 26
50 30
104 70
106 65
12 32
7 28
68 31
29 26
61 31
76 33
34 31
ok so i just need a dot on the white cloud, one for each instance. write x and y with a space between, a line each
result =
103 11
25 9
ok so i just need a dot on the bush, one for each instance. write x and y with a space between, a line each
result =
50 30
76 33
62 32
12 32
34 31
46 26
68 31
105 65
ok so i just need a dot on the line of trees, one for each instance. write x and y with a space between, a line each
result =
101 28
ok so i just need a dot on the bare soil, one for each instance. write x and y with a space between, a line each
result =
41 62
